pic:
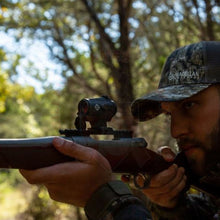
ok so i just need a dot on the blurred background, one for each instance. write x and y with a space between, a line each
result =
54 53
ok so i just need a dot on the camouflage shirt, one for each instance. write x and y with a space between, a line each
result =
191 207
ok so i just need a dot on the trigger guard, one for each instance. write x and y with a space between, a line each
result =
146 179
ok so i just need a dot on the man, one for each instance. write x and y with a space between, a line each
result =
190 94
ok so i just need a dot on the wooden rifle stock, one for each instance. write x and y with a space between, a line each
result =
125 155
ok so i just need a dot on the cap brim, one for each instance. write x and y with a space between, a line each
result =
148 106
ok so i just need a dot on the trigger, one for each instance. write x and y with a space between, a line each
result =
142 180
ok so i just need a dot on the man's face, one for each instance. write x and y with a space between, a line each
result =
195 125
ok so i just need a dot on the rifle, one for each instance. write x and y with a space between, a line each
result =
125 153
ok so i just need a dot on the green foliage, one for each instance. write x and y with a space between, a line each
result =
15 99
3 91
43 208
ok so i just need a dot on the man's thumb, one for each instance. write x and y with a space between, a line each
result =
167 153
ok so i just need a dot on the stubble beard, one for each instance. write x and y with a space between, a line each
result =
211 151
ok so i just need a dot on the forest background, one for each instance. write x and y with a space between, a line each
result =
106 47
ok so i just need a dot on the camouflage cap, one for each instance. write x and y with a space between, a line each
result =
187 71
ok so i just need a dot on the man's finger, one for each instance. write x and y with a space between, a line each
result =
52 173
166 153
81 153
164 177
73 149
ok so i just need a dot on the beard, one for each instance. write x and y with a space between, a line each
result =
210 163
211 150
213 155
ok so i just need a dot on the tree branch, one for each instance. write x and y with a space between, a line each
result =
202 28
209 21
70 65
99 26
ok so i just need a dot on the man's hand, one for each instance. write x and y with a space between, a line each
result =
166 186
72 182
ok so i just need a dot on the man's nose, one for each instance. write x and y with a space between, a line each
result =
179 122
179 125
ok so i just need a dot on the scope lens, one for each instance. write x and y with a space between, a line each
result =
83 106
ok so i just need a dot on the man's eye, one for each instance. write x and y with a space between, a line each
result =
188 105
